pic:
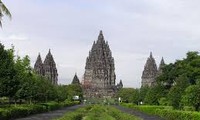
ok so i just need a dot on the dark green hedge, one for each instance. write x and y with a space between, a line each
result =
18 111
177 114
166 112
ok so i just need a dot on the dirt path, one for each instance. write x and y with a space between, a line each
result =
51 115
138 113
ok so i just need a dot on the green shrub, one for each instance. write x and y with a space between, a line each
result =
18 111
52 105
178 115
167 112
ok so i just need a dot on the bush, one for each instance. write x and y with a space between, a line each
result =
52 105
166 112
177 114
19 111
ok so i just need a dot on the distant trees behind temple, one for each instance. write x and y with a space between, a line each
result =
178 84
18 82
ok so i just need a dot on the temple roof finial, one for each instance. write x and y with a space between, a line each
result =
101 32
151 56
162 59
162 62
100 37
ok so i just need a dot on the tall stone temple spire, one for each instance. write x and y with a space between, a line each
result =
150 72
38 67
99 76
48 68
162 64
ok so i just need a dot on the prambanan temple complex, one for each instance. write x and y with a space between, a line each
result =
99 79
47 69
151 71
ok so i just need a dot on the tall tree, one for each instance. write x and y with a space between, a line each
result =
8 85
4 11
177 91
192 96
154 94
130 95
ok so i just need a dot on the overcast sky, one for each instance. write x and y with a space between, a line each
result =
133 28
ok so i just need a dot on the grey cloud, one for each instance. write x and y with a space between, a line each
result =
133 28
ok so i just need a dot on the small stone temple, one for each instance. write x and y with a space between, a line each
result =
47 68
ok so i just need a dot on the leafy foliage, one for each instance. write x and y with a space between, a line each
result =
17 111
18 82
192 96
129 95
154 94
8 85
165 112
176 92
3 11
176 85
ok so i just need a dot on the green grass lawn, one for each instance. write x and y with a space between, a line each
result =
98 112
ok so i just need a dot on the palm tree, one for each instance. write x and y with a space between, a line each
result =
3 11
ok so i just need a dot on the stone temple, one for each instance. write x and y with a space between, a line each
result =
99 77
151 71
75 80
47 69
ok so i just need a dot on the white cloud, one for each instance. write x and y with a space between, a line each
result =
17 37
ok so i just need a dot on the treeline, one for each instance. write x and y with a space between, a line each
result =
177 86
19 83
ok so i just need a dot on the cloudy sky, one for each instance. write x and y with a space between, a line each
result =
133 28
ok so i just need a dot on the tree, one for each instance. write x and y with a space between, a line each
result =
74 90
44 91
129 95
26 90
176 92
8 85
192 96
154 94
62 93
142 93
3 11
189 66
25 77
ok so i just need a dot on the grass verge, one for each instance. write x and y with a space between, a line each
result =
98 112
165 112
